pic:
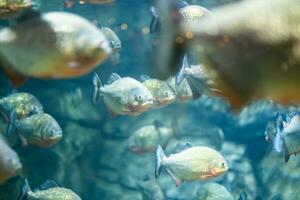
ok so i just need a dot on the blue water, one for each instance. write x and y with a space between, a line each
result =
93 159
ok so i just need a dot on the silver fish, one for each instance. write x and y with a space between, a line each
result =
146 138
123 96
23 104
39 129
10 164
47 191
194 163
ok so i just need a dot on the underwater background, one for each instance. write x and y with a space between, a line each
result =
93 159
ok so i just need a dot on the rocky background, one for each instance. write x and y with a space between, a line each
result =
93 158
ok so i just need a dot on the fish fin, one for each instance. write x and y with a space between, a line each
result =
155 24
181 74
176 180
24 142
160 155
286 154
196 93
182 146
97 85
180 4
11 129
144 77
16 79
69 3
243 196
27 15
113 77
48 184
175 128
24 189
157 125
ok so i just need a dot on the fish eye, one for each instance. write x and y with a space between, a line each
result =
112 43
51 132
167 94
139 98
223 164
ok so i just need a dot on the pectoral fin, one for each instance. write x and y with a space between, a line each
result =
176 180
286 153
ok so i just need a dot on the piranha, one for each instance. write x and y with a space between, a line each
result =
193 163
22 103
151 189
183 90
161 91
197 77
114 42
14 8
214 191
146 138
41 130
169 19
49 190
70 3
287 138
254 53
122 96
62 45
10 164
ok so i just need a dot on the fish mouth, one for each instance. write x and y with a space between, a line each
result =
147 103
166 100
49 142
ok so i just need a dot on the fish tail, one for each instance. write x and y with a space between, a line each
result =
25 189
155 22
181 74
160 155
97 86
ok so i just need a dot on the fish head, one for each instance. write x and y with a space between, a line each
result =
91 46
140 99
49 132
114 41
220 166
166 95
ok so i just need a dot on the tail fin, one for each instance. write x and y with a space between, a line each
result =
155 25
97 85
25 189
181 74
160 155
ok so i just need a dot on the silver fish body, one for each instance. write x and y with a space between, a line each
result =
123 96
10 164
64 44
39 129
24 104
55 193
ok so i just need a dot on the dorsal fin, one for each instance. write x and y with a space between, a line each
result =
48 184
182 146
144 77
113 77
27 15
